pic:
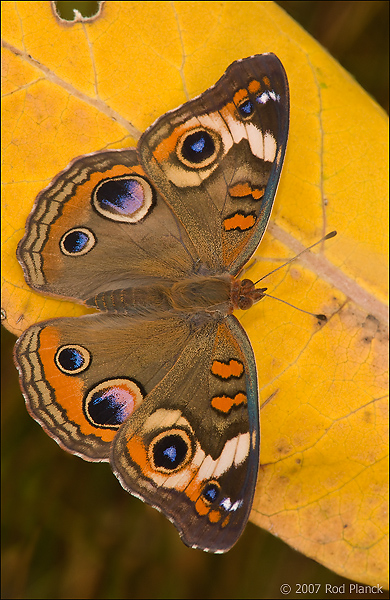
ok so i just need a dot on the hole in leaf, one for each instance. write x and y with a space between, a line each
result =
65 10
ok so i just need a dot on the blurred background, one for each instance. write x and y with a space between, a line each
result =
68 529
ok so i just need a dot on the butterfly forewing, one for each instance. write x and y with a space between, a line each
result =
217 160
101 225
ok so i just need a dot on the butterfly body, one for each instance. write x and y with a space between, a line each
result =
162 380
219 294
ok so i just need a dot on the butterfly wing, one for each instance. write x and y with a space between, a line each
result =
192 449
100 225
83 377
217 160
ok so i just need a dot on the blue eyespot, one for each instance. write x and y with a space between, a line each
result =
246 108
107 408
77 242
198 147
169 452
109 403
127 199
124 196
211 492
72 359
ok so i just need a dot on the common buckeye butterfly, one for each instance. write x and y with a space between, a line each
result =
162 381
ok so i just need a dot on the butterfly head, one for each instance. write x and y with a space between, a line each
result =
244 294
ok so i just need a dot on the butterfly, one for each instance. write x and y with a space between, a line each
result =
162 381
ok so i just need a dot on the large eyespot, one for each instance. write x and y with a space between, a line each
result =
127 199
198 148
211 492
246 109
109 403
170 451
72 359
77 241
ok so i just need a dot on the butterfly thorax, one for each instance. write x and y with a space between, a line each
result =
212 294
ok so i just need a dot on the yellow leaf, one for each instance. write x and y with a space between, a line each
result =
75 88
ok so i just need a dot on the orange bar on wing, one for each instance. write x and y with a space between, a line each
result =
240 190
239 221
231 369
224 404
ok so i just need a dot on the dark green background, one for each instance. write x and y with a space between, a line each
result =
68 528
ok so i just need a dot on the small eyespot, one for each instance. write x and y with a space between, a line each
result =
198 148
211 492
170 451
72 359
246 109
77 241
127 199
111 402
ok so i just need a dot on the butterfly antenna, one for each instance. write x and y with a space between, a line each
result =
320 317
326 237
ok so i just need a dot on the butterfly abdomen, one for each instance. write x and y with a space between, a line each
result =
191 295
133 300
